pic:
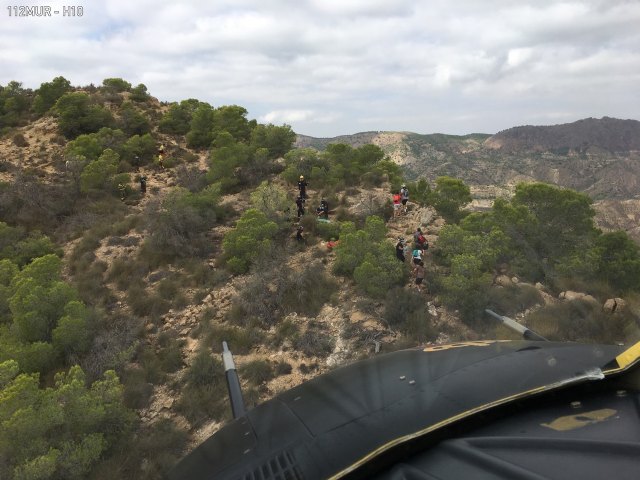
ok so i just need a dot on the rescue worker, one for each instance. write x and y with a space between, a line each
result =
323 209
300 205
302 186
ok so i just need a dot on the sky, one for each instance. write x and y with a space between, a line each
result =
338 67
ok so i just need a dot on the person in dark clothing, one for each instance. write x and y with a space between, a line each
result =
300 205
299 236
143 184
302 186
400 249
418 270
323 209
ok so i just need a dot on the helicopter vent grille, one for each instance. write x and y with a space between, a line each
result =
280 467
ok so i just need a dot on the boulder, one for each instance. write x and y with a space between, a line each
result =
571 296
613 305
609 305
503 281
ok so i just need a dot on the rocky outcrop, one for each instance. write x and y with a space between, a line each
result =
571 296
613 305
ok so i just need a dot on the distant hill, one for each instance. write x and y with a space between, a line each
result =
609 134
600 157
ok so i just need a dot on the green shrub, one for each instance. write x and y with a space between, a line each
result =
240 340
466 287
78 116
171 357
48 93
271 199
282 368
314 342
137 390
116 85
201 404
513 299
286 329
449 196
250 238
20 141
278 291
99 174
152 365
178 226
202 397
257 372
368 257
580 321
178 118
406 310
125 272
139 93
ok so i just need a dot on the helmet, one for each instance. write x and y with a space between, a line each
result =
403 186
301 177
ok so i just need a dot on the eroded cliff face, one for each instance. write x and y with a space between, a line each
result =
619 215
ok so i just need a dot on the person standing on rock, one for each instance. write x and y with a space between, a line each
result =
404 197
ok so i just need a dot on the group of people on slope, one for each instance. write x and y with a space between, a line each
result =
400 200
420 244
322 210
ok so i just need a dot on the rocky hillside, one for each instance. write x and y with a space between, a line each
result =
158 281
600 157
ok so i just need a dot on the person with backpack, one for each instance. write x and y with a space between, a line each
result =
420 239
302 186
417 254
396 204
400 249
300 205
404 197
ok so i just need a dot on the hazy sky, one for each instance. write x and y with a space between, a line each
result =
332 67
